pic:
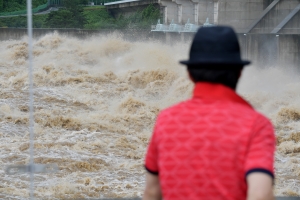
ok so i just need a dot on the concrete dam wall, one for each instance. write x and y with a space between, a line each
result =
267 50
263 50
246 16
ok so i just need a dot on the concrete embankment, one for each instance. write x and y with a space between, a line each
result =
18 33
264 50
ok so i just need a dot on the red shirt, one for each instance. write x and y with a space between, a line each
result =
204 148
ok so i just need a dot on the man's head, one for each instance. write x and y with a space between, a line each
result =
228 77
215 56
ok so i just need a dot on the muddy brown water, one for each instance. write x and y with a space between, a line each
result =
95 104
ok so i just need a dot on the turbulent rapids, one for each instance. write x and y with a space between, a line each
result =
95 104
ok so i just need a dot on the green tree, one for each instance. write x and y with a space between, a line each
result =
150 13
71 16
71 4
99 19
140 19
83 2
16 5
36 3
2 24
21 21
1 5
60 19
13 5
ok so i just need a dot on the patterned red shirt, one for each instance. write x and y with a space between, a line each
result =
205 147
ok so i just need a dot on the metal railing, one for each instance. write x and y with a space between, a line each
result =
117 1
178 28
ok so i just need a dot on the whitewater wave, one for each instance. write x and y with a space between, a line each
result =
96 101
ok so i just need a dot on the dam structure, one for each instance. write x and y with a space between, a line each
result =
268 30
245 16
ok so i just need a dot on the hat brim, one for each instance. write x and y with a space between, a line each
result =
215 62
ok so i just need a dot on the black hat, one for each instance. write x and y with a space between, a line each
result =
217 46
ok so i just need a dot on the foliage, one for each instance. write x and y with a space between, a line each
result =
17 22
15 5
83 2
94 7
71 16
60 19
2 24
98 19
74 16
39 21
1 5
36 3
21 21
150 14
140 19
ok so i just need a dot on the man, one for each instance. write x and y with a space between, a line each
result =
214 146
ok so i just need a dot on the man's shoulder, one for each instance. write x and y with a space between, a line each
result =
189 105
174 109
257 118
262 120
249 111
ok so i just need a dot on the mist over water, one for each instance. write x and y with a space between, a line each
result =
96 101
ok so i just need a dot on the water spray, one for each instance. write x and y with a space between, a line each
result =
31 168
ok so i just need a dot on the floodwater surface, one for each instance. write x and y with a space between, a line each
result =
96 101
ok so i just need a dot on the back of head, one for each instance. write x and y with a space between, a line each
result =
215 56
228 77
